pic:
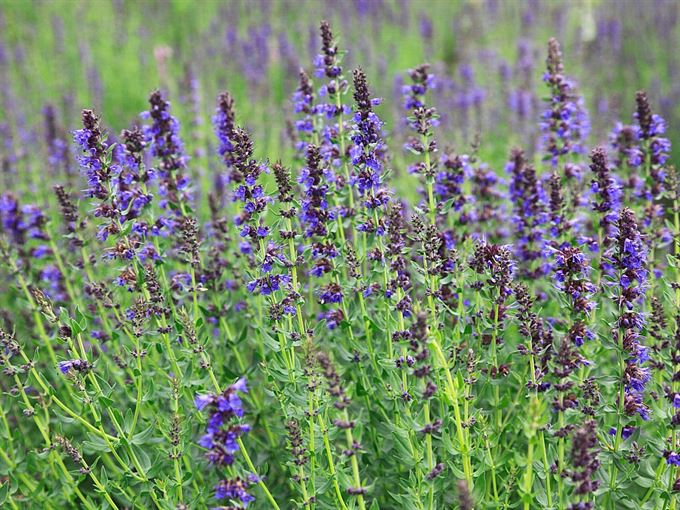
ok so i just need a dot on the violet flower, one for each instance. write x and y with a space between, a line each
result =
222 434
367 151
162 135
528 198
629 259
224 124
606 193
564 124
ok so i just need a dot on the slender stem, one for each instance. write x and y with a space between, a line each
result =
492 462
176 452
354 461
430 456
529 475
613 472
260 482
541 435
450 387
331 463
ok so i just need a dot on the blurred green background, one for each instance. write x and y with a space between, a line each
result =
110 54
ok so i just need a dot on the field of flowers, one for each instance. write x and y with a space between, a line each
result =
366 254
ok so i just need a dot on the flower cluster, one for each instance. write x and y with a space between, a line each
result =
421 120
69 215
103 175
95 158
368 146
162 135
224 124
642 145
221 439
327 62
394 251
449 184
422 81
330 109
656 147
248 190
130 183
572 277
58 148
629 260
537 335
303 105
564 124
527 196
497 265
585 463
315 213
560 227
75 365
23 223
606 192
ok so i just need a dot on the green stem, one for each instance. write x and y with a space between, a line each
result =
529 475
331 463
252 469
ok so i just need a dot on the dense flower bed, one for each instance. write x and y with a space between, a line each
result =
304 336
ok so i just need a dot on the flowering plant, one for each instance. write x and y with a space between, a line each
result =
302 333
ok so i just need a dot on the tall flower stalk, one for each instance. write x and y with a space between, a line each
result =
629 261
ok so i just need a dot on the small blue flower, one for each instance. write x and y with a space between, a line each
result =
202 400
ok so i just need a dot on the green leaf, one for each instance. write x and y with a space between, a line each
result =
141 437
95 444
103 476
64 317
143 458
105 401
127 422
4 492
644 482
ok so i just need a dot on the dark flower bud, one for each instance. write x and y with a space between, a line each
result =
282 175
643 113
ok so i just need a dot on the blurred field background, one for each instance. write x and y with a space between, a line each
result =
487 54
